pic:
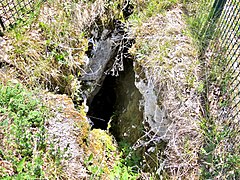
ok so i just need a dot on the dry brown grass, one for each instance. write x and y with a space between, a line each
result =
169 60
49 52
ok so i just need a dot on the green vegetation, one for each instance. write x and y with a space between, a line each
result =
220 153
23 148
220 156
42 51
199 15
105 161
146 9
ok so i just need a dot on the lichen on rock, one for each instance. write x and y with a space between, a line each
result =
69 130
64 133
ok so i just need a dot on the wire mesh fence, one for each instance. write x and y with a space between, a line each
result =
225 54
12 11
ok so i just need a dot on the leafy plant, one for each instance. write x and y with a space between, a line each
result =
104 161
23 146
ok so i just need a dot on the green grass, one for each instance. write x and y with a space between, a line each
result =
104 160
219 156
145 9
23 148
199 20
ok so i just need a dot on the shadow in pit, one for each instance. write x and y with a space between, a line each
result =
102 107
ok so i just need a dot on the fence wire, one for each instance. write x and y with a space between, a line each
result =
225 48
12 11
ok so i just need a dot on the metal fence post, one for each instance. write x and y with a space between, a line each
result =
1 23
218 8
213 17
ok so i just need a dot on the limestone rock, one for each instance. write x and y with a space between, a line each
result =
64 132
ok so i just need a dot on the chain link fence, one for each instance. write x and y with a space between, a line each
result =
224 54
12 11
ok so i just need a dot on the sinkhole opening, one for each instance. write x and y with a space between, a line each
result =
119 100
102 106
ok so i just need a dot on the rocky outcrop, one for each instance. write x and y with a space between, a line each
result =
104 57
66 129
154 115
167 71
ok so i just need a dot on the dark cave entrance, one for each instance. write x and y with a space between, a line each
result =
102 106
105 103
119 100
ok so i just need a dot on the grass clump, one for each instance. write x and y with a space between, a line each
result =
145 9
199 20
167 63
220 153
48 50
23 153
